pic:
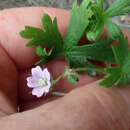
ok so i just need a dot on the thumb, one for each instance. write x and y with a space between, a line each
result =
98 108
86 108
106 108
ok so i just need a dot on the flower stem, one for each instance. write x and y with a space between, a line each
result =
58 93
84 69
74 70
59 78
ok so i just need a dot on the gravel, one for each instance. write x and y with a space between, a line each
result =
66 4
51 3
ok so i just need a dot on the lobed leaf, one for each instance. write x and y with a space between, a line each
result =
78 23
119 7
119 75
113 29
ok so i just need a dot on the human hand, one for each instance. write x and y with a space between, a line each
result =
90 107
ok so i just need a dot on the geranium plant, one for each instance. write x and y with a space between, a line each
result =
90 19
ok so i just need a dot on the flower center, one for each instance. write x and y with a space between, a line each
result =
43 82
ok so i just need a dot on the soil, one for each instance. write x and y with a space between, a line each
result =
125 19
20 3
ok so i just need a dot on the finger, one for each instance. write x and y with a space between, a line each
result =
13 50
7 106
126 33
14 54
13 21
8 84
87 108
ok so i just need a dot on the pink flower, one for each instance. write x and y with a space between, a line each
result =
39 81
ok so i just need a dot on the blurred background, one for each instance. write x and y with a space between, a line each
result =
66 4
123 21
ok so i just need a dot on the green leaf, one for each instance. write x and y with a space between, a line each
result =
79 56
119 75
73 78
121 51
82 62
39 51
42 37
78 23
100 5
31 32
119 7
76 61
50 36
96 24
42 52
50 58
112 78
99 51
114 30
94 34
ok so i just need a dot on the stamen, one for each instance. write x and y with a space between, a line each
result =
43 82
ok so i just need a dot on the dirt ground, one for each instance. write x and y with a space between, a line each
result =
66 4
20 3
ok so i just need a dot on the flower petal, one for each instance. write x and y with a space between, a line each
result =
48 84
46 74
37 72
38 92
32 83
47 88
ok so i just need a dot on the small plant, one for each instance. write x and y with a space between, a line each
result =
89 18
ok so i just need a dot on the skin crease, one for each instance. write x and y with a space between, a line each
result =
88 107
